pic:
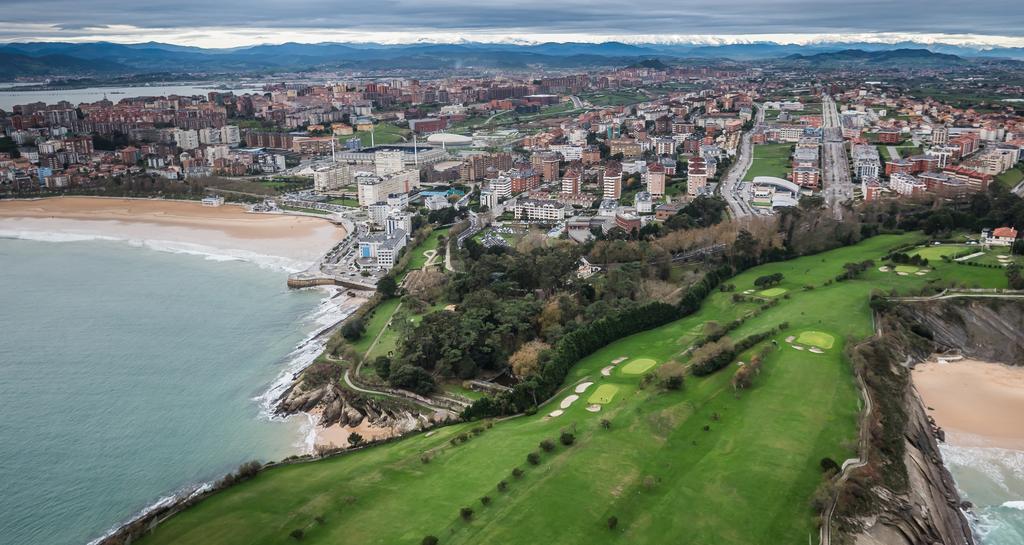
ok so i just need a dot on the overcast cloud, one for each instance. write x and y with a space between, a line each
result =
231 23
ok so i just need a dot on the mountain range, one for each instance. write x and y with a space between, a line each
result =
100 59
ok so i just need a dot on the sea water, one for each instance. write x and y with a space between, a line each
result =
992 479
128 375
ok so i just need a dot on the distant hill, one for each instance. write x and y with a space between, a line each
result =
83 59
904 57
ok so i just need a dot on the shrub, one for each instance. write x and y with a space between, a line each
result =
297 534
486 500
355 439
425 458
533 458
547 445
353 329
567 438
428 540
466 513
829 465
502 486
613 521
606 424
517 473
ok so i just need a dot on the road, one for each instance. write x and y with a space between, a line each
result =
732 189
837 183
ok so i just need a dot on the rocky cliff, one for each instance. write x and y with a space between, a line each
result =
337 406
989 329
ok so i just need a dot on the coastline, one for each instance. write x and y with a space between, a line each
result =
977 403
977 406
280 242
228 232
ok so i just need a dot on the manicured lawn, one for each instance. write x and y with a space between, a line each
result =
638 366
375 324
354 203
773 292
906 269
604 393
727 469
418 259
1011 178
816 338
615 98
769 160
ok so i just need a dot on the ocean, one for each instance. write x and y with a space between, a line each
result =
992 479
128 375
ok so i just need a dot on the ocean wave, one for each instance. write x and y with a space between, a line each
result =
1015 504
996 464
331 310
183 494
210 253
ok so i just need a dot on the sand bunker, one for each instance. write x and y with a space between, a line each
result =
594 408
790 338
883 269
556 413
901 273
619 360
921 273
797 346
583 387
816 350
568 401
607 371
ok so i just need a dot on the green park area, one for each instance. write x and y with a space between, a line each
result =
423 252
705 464
769 160
1012 177
616 98
994 255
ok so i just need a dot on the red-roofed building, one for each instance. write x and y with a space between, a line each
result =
1000 236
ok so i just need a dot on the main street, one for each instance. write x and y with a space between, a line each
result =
838 186
732 189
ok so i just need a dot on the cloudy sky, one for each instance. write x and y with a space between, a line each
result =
228 23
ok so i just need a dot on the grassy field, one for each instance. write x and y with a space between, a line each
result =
772 292
354 203
638 366
615 98
418 259
1011 178
816 338
703 464
769 160
384 133
990 257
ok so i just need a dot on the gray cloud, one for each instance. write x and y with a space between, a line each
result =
73 18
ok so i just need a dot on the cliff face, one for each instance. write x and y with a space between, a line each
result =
337 406
913 498
929 512
989 329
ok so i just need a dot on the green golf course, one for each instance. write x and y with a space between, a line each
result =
701 465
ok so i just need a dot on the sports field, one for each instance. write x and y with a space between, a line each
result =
769 160
727 469
604 393
638 366
816 338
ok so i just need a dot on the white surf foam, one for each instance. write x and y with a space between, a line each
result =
166 501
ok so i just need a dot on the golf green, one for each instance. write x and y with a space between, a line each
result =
638 366
906 269
816 338
603 394
773 292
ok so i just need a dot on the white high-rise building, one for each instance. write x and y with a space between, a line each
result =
230 135
388 162
186 139
332 177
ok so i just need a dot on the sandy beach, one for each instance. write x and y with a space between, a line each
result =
181 226
337 435
978 404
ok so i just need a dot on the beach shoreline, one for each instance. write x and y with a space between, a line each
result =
976 403
290 242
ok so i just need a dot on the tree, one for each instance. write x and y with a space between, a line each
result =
567 438
355 439
533 458
547 445
828 465
412 378
613 521
353 329
382 366
297 534
387 286
429 540
526 361
671 375
466 513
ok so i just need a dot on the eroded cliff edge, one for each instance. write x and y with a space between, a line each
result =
903 494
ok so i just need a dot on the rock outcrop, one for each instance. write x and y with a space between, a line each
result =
989 329
337 406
